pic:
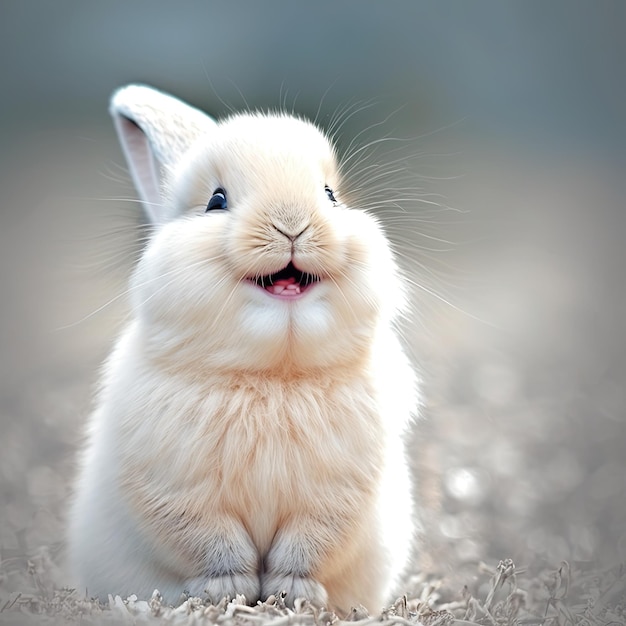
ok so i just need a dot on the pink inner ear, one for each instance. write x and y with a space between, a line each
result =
143 166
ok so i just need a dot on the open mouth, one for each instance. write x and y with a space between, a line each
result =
290 282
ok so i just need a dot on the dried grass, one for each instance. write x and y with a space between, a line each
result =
508 597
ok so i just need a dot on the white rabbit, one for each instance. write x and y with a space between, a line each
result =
248 432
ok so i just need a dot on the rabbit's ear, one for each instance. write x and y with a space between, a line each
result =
155 130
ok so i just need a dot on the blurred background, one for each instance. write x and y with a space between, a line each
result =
509 179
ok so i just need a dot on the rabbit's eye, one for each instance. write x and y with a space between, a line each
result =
330 194
217 201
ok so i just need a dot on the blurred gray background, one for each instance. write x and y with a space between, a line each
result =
512 120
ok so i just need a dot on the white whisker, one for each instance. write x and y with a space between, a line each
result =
342 293
181 271
447 302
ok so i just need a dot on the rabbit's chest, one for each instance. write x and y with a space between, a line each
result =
262 456
279 455
282 447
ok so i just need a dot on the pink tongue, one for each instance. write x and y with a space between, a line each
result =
285 286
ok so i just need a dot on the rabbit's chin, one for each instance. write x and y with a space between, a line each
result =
308 330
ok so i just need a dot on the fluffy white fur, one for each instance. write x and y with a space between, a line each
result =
243 443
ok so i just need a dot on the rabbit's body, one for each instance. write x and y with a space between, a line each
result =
248 438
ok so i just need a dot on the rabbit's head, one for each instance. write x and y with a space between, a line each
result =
256 261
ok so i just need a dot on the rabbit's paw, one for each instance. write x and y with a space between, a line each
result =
295 587
228 585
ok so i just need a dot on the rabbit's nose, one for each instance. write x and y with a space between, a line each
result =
291 233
